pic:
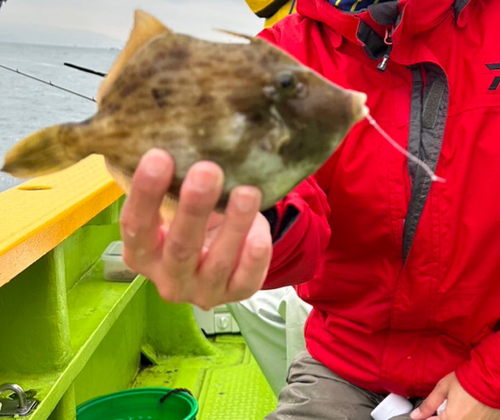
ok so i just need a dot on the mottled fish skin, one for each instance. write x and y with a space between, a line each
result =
206 101
267 120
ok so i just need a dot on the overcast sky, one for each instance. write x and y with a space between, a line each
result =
113 18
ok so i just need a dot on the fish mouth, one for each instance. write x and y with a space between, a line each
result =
359 108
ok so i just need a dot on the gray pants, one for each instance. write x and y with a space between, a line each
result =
314 392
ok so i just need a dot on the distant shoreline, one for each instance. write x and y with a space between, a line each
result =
41 44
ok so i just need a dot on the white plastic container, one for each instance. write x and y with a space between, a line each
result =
114 267
393 405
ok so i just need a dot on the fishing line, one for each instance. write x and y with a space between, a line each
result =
47 83
402 150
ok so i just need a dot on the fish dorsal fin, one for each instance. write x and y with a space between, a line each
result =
146 27
252 39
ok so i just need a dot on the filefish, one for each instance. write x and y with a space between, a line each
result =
253 109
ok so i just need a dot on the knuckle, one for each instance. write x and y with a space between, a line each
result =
165 294
195 207
441 386
168 294
240 224
125 220
424 407
204 304
130 223
180 250
147 186
243 292
220 271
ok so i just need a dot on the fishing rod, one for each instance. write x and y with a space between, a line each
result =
86 70
47 83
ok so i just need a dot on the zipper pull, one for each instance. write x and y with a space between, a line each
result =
383 64
388 41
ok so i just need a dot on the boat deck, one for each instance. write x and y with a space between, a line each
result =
68 335
228 385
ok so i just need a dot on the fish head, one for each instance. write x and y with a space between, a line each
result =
302 96
317 113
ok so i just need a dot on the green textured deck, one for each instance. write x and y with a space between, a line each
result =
228 385
71 336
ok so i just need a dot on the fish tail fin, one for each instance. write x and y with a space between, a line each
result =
46 151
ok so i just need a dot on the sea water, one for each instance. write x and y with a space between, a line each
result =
27 105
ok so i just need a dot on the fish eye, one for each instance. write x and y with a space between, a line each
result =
285 80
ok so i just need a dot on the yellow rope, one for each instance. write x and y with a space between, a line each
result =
353 8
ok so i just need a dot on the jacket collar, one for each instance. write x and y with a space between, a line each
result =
420 15
368 28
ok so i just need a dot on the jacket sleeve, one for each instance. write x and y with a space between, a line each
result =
480 376
301 230
300 233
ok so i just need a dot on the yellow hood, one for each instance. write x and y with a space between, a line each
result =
272 10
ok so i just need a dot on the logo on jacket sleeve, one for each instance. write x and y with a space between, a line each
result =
496 80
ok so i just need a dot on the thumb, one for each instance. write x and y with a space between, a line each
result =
431 404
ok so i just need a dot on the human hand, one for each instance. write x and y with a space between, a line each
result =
202 257
460 405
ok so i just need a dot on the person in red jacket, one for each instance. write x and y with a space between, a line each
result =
403 274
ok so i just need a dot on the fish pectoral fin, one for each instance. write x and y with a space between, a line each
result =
146 27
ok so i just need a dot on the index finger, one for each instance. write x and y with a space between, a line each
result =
140 219
198 196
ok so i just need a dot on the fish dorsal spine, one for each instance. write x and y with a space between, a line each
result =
146 27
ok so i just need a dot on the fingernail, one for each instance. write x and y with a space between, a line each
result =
245 199
258 250
156 163
204 180
415 414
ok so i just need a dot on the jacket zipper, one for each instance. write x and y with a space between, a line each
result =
388 41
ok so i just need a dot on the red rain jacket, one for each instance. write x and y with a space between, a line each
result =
404 276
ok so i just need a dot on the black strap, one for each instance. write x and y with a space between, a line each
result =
175 391
280 227
459 6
